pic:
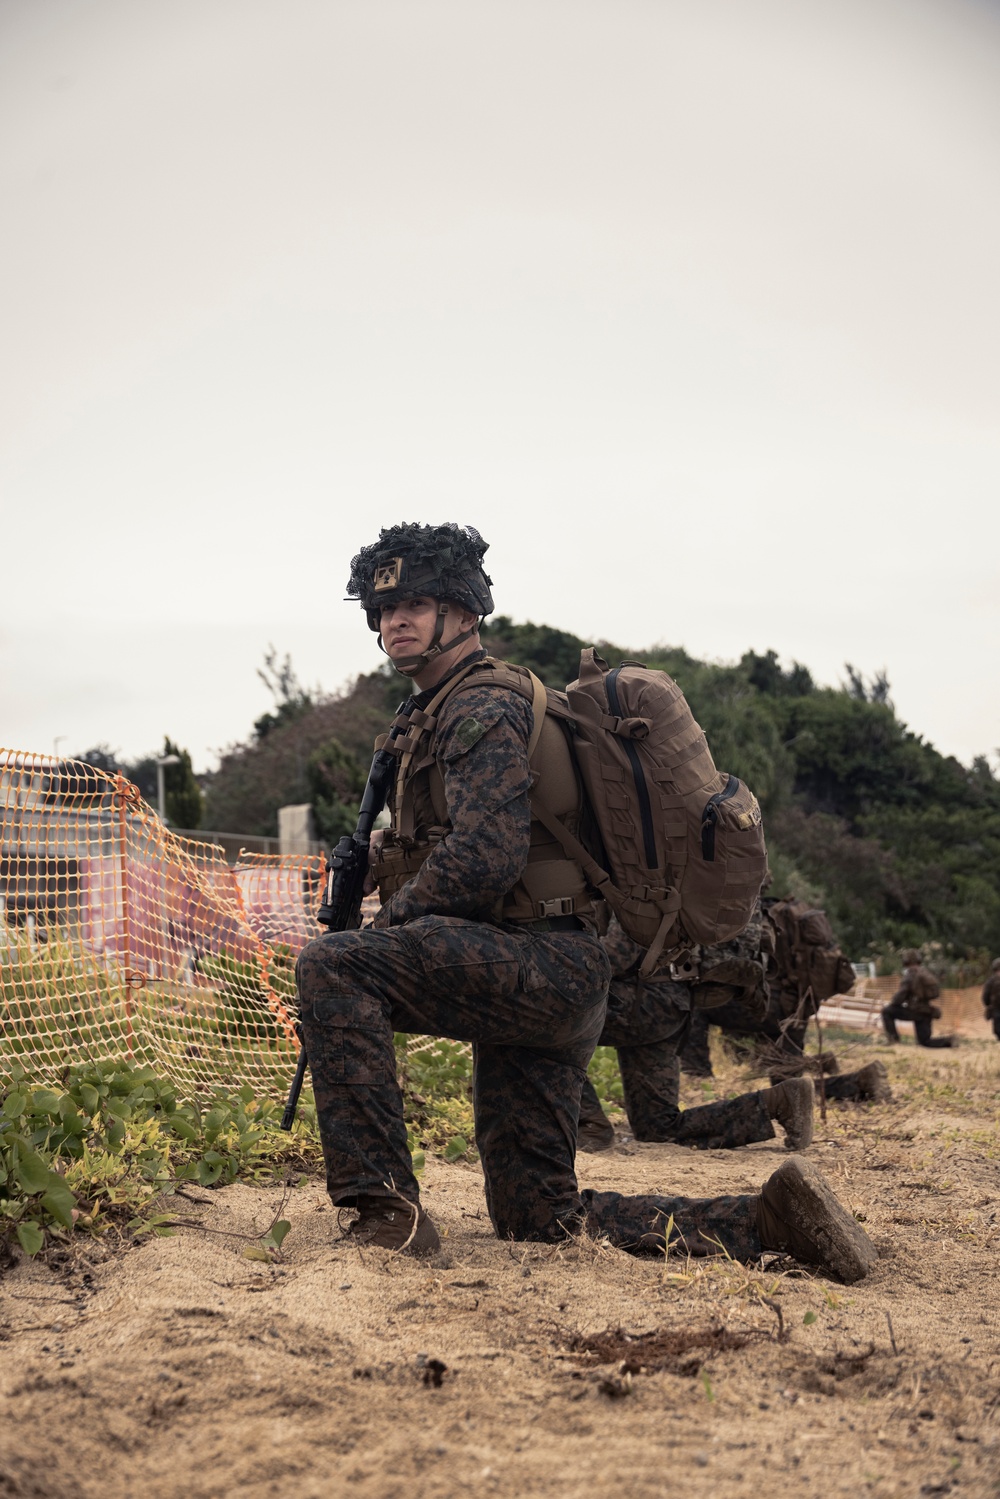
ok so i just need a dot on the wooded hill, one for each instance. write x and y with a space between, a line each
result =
899 843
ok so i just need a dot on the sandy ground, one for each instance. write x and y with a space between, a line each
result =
182 1368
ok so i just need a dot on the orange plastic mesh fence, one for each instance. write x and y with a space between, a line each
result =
119 939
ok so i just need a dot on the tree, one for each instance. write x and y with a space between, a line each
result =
184 801
141 772
766 674
291 699
899 842
336 780
553 655
254 779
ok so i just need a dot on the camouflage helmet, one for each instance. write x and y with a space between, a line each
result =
441 562
910 957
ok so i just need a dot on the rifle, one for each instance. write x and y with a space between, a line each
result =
346 870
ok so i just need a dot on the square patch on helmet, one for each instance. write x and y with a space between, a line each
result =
388 575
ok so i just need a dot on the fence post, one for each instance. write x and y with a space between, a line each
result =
120 784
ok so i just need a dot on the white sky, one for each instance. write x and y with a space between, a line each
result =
691 306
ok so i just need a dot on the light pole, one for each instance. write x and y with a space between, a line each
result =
161 788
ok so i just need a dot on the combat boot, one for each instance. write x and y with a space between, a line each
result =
595 1135
595 1131
393 1223
798 1214
873 1082
791 1103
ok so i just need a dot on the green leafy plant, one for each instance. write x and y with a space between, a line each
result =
436 1078
114 1140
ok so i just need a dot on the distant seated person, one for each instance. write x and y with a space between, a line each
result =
914 1001
991 997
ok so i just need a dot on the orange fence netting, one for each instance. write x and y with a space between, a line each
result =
120 939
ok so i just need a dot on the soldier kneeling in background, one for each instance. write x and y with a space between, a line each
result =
914 1000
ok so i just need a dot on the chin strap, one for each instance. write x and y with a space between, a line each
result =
411 666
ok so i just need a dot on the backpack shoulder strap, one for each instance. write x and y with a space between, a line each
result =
517 679
539 707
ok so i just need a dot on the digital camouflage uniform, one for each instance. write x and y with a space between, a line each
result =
767 1009
914 1001
648 1021
531 1002
780 1024
782 1019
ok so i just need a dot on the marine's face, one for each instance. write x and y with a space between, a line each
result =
407 627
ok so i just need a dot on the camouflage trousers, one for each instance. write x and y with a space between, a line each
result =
533 1006
648 1023
923 1025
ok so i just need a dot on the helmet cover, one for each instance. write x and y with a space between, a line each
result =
443 562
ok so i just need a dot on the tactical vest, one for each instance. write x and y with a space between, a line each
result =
553 884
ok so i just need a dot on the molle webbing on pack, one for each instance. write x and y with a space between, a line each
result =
684 844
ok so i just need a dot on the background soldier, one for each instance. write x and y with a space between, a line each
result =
651 1021
804 966
458 950
914 1000
648 1022
991 997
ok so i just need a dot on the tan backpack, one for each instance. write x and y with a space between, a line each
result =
807 957
684 857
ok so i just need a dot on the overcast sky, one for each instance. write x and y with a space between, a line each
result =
691 306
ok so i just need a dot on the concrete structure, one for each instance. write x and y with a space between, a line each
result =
295 829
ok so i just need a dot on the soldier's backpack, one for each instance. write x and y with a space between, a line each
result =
683 846
807 958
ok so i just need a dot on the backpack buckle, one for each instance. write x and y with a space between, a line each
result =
561 905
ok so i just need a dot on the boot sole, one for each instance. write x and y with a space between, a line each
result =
808 1202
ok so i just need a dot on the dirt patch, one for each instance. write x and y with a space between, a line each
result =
681 1350
181 1368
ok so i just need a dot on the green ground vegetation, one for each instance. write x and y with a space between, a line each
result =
109 1147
